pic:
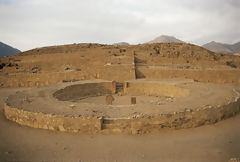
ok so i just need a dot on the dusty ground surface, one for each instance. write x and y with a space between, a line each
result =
218 142
200 95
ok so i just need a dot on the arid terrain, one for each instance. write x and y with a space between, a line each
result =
187 104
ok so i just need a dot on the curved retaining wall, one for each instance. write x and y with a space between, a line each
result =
79 91
53 122
132 125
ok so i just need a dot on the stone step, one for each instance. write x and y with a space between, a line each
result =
109 126
119 87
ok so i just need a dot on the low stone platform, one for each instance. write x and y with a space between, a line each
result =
80 106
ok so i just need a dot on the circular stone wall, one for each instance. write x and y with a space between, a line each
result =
194 105
81 91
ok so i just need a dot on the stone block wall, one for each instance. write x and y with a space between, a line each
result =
118 73
215 76
154 89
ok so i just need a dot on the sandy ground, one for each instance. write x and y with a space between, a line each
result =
218 142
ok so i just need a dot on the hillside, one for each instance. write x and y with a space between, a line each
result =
6 50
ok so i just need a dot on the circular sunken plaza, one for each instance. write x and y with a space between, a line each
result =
81 106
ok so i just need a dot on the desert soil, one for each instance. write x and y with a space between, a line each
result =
218 142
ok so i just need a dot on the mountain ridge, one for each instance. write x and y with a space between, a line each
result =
166 39
121 43
6 50
222 47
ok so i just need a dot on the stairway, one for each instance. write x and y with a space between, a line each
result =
119 87
116 125
108 124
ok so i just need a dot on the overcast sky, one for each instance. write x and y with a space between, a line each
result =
27 24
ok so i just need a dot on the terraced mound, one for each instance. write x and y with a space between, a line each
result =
56 64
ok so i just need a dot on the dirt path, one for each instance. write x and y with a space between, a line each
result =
218 142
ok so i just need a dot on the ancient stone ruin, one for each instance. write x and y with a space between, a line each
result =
137 89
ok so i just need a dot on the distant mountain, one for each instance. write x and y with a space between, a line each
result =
6 50
236 47
223 48
122 43
165 39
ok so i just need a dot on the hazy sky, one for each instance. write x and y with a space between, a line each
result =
27 24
